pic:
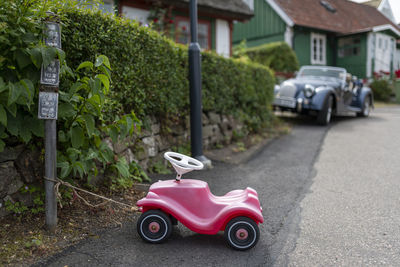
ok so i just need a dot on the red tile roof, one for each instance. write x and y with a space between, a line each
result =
349 17
233 9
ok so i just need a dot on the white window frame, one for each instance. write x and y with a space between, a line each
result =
109 2
320 57
222 38
138 14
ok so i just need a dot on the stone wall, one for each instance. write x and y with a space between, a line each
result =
20 166
149 147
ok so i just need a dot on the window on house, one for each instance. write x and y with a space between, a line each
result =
379 43
328 6
318 48
349 46
107 6
140 15
182 32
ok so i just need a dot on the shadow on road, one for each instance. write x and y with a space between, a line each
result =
309 120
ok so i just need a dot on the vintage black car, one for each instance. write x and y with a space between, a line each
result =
324 91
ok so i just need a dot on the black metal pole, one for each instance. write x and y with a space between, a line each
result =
195 88
50 172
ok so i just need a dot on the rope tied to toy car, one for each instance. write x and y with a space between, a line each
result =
59 182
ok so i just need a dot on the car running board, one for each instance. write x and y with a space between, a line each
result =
354 109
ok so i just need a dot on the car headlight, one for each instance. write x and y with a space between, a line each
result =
276 89
309 90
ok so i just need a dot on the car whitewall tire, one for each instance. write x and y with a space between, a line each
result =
324 116
366 108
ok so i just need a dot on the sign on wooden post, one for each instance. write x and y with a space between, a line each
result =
48 110
48 105
50 75
52 34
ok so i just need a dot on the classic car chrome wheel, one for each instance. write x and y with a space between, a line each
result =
366 109
325 114
154 226
242 233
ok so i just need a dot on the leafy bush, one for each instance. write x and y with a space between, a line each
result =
150 71
150 74
278 56
83 97
21 56
238 88
83 124
382 89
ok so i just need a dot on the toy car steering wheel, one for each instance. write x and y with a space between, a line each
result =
182 163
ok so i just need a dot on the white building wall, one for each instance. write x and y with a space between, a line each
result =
223 38
396 65
386 10
137 14
383 52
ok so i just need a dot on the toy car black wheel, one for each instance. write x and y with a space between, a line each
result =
366 108
154 226
325 114
242 233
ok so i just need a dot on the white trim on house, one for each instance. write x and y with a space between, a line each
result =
280 12
250 3
385 8
318 48
289 36
222 37
386 27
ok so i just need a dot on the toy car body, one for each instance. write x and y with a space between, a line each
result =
190 202
325 91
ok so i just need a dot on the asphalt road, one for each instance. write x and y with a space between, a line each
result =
351 217
330 196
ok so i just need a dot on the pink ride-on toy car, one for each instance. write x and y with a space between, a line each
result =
238 213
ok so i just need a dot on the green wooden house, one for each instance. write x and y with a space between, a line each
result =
339 33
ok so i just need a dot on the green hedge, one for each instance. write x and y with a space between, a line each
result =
150 72
278 56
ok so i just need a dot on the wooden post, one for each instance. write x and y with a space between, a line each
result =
48 110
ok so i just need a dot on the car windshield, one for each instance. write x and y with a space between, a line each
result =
337 74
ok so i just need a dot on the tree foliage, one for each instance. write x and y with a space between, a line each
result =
277 55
